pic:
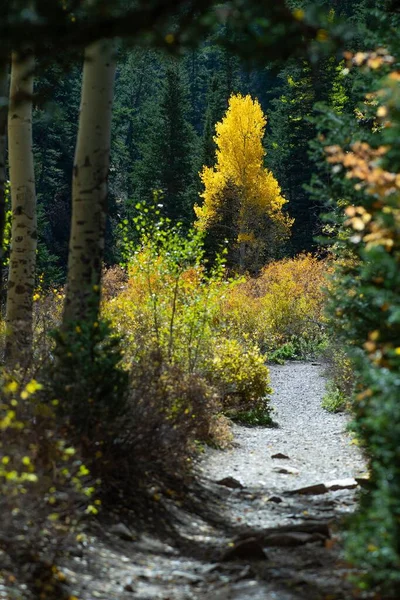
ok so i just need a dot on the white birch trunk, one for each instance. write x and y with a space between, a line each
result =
3 156
21 278
90 184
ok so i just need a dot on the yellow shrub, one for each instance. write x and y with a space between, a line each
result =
173 310
243 316
283 304
239 374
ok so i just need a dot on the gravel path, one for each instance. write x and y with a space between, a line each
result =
316 442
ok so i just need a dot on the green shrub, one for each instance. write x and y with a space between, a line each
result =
285 352
259 415
87 378
365 314
340 369
334 400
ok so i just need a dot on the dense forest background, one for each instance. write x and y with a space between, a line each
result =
164 117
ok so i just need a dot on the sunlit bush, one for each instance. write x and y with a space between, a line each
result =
240 375
170 303
283 305
172 306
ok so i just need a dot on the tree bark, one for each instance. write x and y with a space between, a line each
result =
3 159
21 277
242 256
89 185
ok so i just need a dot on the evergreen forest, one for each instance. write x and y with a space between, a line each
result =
199 227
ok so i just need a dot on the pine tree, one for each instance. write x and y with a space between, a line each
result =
195 79
139 80
168 164
217 103
55 119
287 150
224 81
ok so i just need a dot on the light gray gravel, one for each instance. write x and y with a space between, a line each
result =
316 442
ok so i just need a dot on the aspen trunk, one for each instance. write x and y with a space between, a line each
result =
3 157
242 256
89 185
21 277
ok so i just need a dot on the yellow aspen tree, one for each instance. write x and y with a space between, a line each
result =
90 184
261 223
21 277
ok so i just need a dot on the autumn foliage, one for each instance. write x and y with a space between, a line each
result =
365 313
240 179
171 308
284 304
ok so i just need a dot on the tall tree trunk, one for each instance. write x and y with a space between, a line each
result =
21 278
89 185
3 159
242 257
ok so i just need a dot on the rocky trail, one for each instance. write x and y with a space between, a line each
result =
283 490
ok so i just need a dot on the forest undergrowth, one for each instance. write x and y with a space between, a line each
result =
185 348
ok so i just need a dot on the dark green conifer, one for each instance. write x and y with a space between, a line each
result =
168 154
287 150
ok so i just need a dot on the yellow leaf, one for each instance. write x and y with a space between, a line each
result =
322 35
33 386
91 510
298 14
70 451
12 387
